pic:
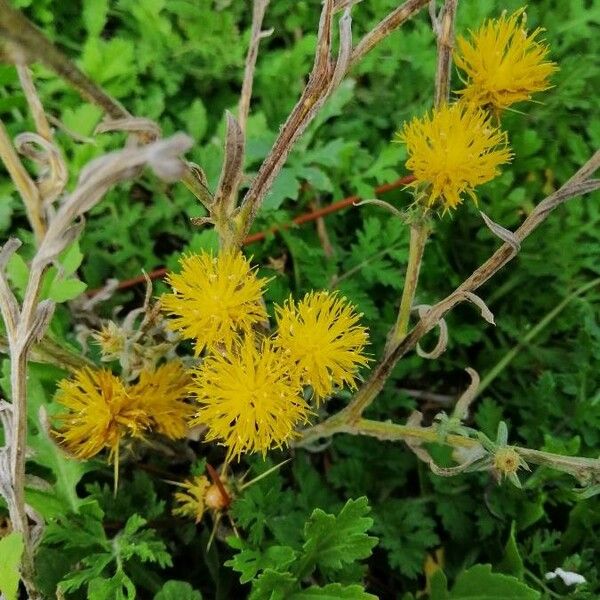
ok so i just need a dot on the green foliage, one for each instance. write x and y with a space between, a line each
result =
479 583
180 62
103 568
11 550
332 544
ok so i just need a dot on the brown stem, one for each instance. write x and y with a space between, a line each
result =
444 26
24 184
385 27
325 77
256 34
30 44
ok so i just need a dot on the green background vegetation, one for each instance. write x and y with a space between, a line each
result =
180 62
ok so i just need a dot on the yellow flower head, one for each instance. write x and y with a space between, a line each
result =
248 399
99 413
214 299
453 150
321 335
503 63
161 394
192 502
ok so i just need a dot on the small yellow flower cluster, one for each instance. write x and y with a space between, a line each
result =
459 146
250 386
100 410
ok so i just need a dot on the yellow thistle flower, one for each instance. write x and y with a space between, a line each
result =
321 335
214 299
192 502
99 413
453 150
248 400
162 393
503 63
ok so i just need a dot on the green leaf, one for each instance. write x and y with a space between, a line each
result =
71 259
333 591
62 290
18 272
272 585
177 590
333 541
195 120
94 15
250 562
82 119
407 532
118 587
512 563
479 583
285 187
11 550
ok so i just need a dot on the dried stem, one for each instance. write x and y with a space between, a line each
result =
444 28
581 183
326 75
27 323
35 106
256 34
24 184
28 44
395 19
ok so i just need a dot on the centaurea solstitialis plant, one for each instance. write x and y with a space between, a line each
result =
249 387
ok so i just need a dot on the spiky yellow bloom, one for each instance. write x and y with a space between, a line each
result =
192 502
162 395
100 412
322 336
214 299
503 63
453 150
248 400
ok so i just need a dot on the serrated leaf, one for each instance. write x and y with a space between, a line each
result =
11 550
479 583
272 585
177 590
285 187
333 541
93 14
333 591
250 562
407 532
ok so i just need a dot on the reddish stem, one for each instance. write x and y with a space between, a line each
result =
261 235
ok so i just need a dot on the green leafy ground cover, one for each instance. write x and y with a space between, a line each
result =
360 511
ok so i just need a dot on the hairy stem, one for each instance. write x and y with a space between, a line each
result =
418 237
